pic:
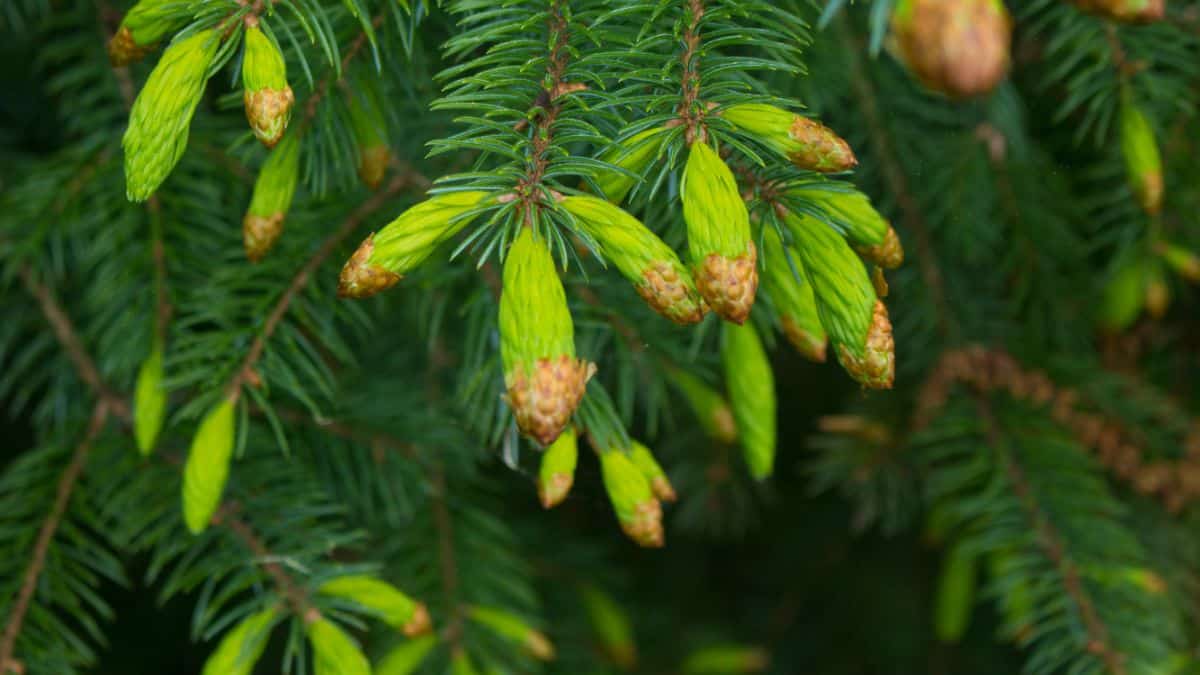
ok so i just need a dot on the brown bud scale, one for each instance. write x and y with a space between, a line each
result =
259 234
663 489
957 47
544 399
361 279
810 346
825 151
664 291
553 493
267 111
420 623
876 368
724 424
124 50
729 284
539 646
888 254
372 165
645 528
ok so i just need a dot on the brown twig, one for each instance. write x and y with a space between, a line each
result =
37 561
1175 482
1050 541
529 189
296 596
68 337
245 372
691 112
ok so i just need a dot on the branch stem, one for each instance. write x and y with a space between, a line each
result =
245 372
41 547
68 337
1050 541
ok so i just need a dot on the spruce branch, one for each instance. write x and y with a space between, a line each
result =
530 187
37 560
245 372
297 598
1050 541
68 337
1175 482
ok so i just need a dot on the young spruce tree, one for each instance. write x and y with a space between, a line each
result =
734 278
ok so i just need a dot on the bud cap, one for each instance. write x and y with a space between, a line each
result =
718 226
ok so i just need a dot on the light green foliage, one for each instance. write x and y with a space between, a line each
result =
207 466
406 657
634 155
391 604
407 241
851 212
535 322
149 401
276 182
751 387
955 594
162 114
843 291
262 66
334 652
243 645
716 216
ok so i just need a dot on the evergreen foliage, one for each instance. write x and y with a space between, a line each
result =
363 491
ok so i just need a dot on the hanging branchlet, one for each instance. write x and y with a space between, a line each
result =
407 657
856 321
333 650
957 47
512 627
611 625
1124 293
1182 261
149 401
